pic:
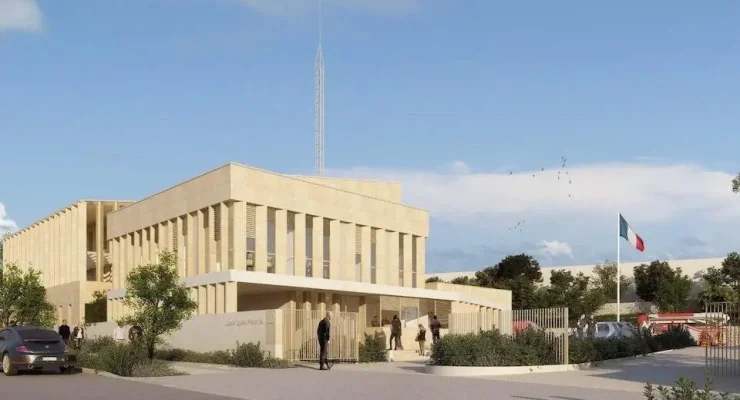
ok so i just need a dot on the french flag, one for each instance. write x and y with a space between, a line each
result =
626 232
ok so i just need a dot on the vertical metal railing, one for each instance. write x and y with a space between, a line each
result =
553 322
327 269
300 342
720 336
271 263
309 267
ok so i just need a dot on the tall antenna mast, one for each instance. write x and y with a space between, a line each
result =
319 105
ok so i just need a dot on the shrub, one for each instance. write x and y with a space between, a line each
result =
675 338
248 355
94 345
686 389
491 348
212 357
372 350
153 368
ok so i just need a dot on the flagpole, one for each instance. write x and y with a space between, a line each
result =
619 267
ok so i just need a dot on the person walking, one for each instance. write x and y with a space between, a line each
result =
421 337
395 341
79 335
135 333
435 326
118 334
64 332
324 336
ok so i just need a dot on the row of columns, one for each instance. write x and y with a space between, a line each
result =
55 246
201 250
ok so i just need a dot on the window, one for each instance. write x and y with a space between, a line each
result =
217 223
373 256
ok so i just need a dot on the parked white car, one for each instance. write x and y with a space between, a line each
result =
613 329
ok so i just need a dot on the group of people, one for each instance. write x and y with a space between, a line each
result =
586 326
323 332
75 336
134 333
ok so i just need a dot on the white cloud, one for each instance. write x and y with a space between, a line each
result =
20 15
555 248
6 225
294 7
641 191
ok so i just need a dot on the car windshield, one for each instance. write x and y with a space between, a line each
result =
38 334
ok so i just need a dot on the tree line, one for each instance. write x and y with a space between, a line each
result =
669 289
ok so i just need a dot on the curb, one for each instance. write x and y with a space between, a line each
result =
88 371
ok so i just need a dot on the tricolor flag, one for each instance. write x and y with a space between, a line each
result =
626 232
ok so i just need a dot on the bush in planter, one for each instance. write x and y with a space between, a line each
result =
247 355
372 350
686 389
212 357
94 345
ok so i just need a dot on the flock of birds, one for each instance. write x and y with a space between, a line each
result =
562 172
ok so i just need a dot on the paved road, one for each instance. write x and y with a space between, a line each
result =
87 387
349 382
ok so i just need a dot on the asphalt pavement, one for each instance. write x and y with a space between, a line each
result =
44 386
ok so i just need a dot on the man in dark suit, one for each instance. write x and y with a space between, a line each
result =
324 338
64 332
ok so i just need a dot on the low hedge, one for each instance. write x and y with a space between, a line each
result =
246 355
533 347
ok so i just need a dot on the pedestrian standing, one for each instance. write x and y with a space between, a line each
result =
118 334
435 326
64 332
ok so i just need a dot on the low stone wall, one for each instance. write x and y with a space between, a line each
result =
218 331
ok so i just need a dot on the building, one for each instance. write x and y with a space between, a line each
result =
71 250
252 241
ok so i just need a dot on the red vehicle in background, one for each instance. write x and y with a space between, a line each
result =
708 329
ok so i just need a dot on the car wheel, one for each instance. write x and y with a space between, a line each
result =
8 368
64 370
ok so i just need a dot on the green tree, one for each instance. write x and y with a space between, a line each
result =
434 279
23 298
97 310
736 184
648 277
715 287
463 280
519 273
578 293
606 279
731 270
674 292
159 299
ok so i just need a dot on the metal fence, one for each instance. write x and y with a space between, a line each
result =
720 336
553 321
300 342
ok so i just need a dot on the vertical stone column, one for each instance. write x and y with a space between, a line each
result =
225 234
421 259
130 250
347 242
202 240
318 247
202 300
146 236
407 258
281 239
211 299
381 256
300 244
212 250
335 249
366 243
63 248
362 314
115 279
99 236
81 240
238 237
230 302
220 298
393 258
191 231
260 241
182 253
321 304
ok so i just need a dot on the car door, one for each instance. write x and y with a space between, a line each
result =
3 339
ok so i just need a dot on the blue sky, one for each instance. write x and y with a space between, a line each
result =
119 99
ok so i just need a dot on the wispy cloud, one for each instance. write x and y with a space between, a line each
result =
297 7
6 224
646 192
567 223
20 15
